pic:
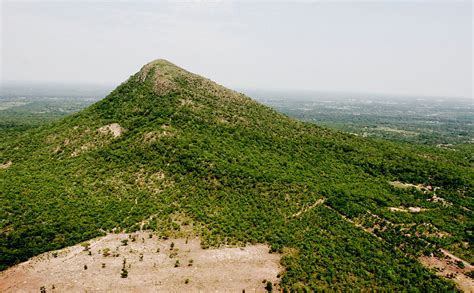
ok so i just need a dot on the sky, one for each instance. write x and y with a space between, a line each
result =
420 48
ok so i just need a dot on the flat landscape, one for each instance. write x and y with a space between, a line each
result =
444 122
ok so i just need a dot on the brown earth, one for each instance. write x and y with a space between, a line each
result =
151 264
6 165
115 129
448 267
408 209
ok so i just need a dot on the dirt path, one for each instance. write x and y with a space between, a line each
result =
304 210
151 264
407 209
355 224
445 267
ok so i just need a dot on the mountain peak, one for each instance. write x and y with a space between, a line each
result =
164 88
162 74
167 78
172 153
160 64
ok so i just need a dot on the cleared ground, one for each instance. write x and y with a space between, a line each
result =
152 264
451 267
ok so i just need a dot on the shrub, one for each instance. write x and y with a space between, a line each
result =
269 286
106 252
124 273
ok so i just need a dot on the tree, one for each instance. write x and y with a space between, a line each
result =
269 286
124 272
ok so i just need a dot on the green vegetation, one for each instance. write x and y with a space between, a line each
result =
240 173
269 286
445 122
18 114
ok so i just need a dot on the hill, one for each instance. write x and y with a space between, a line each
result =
168 149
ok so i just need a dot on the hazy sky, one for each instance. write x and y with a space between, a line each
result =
398 47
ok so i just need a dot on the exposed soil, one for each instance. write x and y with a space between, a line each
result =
450 267
420 187
115 129
408 209
441 200
151 264
6 165
431 231
304 210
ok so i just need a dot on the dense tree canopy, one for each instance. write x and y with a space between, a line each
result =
242 173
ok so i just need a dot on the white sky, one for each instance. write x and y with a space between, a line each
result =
397 47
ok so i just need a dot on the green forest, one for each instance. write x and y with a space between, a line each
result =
168 142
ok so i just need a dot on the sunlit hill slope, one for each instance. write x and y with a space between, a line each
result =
168 145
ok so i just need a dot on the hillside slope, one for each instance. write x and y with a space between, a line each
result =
169 148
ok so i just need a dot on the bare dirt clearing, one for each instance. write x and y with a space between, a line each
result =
115 129
407 210
451 267
152 265
420 187
441 200
6 165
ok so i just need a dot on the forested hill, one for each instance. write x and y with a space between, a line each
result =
168 144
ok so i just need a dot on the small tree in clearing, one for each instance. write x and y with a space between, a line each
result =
124 272
269 286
